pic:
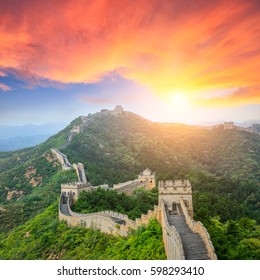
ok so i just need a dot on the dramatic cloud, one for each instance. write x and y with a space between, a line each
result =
174 45
243 96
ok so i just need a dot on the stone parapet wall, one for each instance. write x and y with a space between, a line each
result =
171 238
199 228
144 219
93 220
103 220
129 188
62 159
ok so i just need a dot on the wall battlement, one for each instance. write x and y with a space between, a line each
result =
145 179
107 221
73 190
172 191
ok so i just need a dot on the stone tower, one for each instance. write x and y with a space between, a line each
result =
119 109
172 191
149 177
72 190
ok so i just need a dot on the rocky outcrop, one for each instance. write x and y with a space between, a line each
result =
35 181
13 194
2 209
29 172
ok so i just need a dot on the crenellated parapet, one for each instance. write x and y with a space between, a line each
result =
198 227
146 179
107 221
72 190
172 190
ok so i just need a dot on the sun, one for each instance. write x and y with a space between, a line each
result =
178 100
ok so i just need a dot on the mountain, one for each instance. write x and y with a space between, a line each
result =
10 131
222 165
20 142
19 137
240 124
248 123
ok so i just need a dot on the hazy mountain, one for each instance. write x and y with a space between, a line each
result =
248 123
7 131
241 124
20 142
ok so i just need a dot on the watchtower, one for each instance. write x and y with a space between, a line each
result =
172 191
149 177
72 190
119 109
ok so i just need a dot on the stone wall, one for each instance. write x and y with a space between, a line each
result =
145 179
130 186
94 220
170 192
104 221
107 222
171 238
199 228
80 172
62 159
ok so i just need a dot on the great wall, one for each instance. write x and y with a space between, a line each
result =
184 238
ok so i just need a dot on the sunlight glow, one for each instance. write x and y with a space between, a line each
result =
179 100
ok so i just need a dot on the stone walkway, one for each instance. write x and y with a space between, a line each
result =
194 247
64 208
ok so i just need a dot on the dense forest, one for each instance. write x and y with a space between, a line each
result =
222 165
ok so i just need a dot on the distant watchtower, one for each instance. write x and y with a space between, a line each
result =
229 125
172 191
119 109
149 177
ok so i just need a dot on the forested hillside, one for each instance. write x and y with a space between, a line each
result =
44 237
222 165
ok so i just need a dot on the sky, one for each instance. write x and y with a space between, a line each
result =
169 61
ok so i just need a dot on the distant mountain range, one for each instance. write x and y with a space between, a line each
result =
20 142
241 124
18 137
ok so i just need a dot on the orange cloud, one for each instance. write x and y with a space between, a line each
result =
170 45
240 97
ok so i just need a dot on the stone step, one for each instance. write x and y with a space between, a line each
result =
193 246
65 210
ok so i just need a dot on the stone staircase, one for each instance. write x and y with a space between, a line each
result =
193 246
82 175
64 207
